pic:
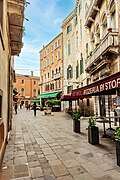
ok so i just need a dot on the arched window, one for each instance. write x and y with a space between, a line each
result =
22 92
104 23
58 54
52 58
69 72
112 11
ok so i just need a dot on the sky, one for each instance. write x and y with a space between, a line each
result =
45 20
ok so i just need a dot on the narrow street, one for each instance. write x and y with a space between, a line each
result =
46 148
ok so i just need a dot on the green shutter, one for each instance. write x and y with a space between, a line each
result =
77 71
81 66
71 72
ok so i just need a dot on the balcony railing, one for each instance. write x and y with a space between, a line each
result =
57 76
109 41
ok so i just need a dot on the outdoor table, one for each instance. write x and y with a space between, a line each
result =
103 120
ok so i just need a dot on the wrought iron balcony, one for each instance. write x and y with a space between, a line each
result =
108 44
15 17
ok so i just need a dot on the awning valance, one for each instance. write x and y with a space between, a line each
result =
69 97
105 86
35 100
49 95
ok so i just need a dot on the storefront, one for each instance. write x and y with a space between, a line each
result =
106 90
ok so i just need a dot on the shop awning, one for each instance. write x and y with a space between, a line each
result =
69 97
49 95
35 100
106 86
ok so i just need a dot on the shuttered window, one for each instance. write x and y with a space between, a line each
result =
81 66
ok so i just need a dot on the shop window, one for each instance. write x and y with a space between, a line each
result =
88 102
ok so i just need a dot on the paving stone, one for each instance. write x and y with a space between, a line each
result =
59 170
47 171
32 158
50 177
21 168
70 163
77 170
34 164
29 153
84 176
51 157
68 177
36 172
20 160
44 165
21 175
54 162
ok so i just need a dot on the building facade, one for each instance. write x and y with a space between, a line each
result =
102 47
11 25
51 69
27 88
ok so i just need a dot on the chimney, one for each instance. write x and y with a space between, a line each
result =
31 73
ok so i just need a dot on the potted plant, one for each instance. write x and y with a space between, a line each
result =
117 138
76 122
93 131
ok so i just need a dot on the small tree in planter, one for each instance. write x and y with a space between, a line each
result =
117 138
93 131
76 122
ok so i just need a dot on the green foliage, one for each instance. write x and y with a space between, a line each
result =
75 115
41 108
51 102
117 134
92 121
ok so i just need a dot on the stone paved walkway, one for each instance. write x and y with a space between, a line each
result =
45 148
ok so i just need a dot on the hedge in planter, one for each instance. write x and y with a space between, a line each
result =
117 138
76 122
93 132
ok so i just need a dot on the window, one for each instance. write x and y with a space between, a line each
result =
22 92
22 81
48 51
52 58
52 47
34 92
1 13
56 44
59 42
34 82
69 28
88 102
59 69
69 72
38 91
52 73
56 84
48 62
59 84
44 63
44 53
69 89
69 48
81 66
58 54
48 75
0 103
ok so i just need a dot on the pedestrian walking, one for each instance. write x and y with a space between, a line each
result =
16 108
29 107
34 108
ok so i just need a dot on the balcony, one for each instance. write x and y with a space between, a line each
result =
15 18
108 45
57 76
92 12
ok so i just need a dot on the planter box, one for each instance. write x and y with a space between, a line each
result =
93 135
76 126
118 152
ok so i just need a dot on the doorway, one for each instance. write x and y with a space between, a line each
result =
102 105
